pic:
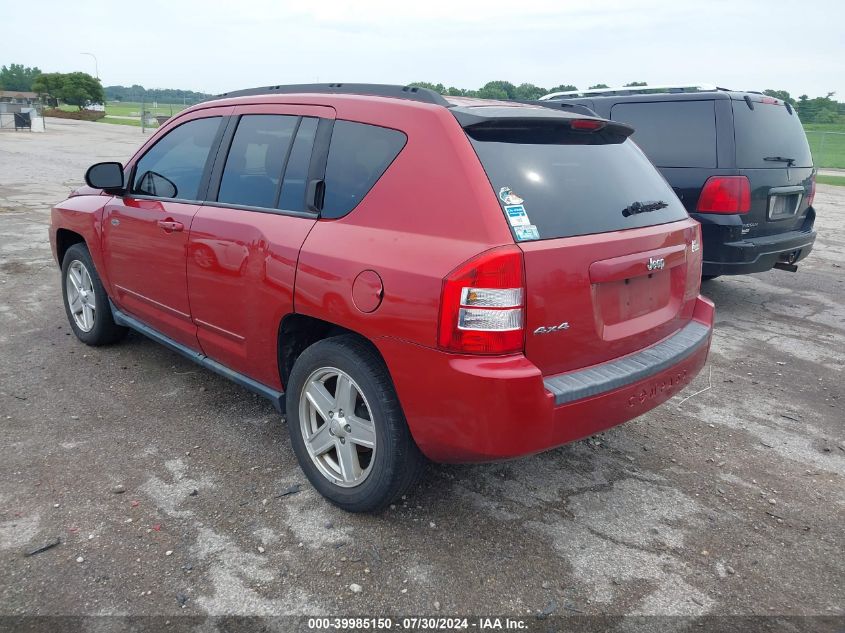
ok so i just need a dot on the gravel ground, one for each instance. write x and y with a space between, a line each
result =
166 484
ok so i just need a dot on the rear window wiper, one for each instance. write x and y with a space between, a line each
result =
780 159
643 207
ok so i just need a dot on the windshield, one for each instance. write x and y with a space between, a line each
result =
561 190
770 132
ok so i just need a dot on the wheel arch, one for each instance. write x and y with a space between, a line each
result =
65 238
297 332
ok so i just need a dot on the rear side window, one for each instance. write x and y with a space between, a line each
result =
769 131
253 171
672 134
358 155
561 190
174 166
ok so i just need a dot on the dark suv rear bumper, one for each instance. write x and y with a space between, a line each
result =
727 253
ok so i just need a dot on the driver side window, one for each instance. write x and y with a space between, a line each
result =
174 166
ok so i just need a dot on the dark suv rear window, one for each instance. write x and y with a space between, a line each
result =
672 134
563 190
768 130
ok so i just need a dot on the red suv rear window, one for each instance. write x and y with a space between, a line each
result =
563 189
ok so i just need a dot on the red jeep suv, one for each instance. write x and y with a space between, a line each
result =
402 274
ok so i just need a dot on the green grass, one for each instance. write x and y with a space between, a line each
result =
839 181
133 108
113 121
825 127
828 149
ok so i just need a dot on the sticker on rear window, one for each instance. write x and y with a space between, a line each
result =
509 197
517 215
524 233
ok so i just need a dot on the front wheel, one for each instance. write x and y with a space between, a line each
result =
86 302
347 427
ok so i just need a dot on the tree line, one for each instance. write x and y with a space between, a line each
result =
81 88
817 110
136 92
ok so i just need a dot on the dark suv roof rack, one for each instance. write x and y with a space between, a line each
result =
412 93
633 90
573 108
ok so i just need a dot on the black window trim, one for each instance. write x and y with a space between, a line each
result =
317 166
206 171
216 174
278 195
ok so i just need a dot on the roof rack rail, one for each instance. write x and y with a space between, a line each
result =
630 90
412 93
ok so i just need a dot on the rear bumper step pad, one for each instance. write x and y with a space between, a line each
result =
630 369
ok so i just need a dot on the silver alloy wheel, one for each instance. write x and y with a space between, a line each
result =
337 427
80 295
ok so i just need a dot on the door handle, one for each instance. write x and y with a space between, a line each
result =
170 225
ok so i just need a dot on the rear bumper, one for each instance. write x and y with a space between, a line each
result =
472 409
727 253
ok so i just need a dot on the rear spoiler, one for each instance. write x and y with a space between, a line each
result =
539 126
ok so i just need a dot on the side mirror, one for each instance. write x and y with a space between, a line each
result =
105 176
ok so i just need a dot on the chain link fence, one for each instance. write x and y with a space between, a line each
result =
828 148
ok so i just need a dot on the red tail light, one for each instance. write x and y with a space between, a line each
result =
725 194
482 304
812 192
587 125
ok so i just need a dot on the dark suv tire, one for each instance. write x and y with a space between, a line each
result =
347 427
86 302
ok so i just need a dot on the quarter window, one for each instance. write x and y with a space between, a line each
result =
174 166
672 133
256 159
358 155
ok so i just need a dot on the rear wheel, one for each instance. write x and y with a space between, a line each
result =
86 302
709 277
347 427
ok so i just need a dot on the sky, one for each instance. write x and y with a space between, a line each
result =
213 46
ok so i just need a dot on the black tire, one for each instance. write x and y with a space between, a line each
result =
709 277
397 463
104 330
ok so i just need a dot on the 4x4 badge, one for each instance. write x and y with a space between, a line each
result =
543 329
657 263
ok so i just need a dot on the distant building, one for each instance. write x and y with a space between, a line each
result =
20 98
